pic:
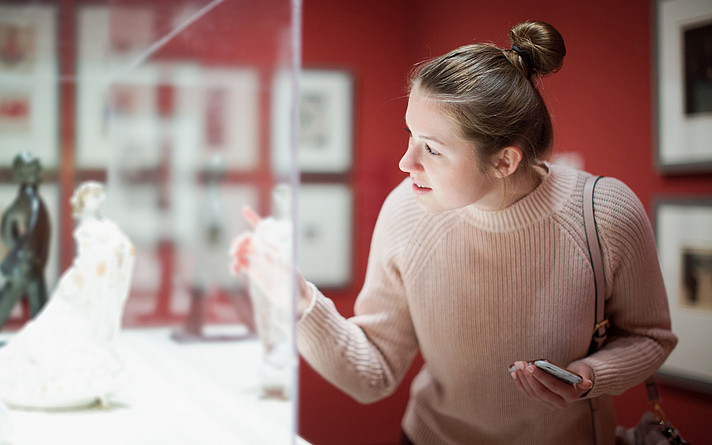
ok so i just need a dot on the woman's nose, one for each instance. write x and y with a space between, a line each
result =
409 162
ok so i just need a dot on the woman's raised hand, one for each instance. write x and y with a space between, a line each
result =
240 249
265 255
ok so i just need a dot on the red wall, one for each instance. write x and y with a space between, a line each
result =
369 39
602 106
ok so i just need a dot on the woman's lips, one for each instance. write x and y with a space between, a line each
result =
420 190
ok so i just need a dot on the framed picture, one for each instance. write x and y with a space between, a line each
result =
28 83
324 244
15 110
684 85
684 240
118 103
325 117
230 115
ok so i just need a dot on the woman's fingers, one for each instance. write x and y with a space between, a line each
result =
519 379
543 387
549 388
537 390
242 247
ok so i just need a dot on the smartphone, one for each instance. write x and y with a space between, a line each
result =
557 371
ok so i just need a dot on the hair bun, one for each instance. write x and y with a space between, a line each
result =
542 43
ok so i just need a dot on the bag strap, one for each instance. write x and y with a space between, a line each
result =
601 323
595 254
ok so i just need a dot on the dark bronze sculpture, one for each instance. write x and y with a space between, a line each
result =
25 231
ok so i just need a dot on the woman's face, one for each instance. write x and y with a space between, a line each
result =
444 168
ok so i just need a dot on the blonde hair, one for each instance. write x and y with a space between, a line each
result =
491 94
79 196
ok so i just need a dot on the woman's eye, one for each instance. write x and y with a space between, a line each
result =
431 151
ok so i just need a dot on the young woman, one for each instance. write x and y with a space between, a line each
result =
479 261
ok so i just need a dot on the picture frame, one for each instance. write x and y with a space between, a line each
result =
324 245
684 242
29 83
230 115
683 87
116 109
326 121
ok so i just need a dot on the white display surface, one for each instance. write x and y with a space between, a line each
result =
178 393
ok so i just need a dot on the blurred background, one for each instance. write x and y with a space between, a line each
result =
173 105
183 108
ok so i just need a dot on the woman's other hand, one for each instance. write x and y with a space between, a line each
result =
545 388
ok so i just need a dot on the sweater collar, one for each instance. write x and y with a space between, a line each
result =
551 194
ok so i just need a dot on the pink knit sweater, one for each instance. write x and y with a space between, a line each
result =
475 290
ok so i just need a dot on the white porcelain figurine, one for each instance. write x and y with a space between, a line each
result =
66 356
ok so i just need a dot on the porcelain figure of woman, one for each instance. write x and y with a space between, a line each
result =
66 356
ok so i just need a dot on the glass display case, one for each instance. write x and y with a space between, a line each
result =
184 110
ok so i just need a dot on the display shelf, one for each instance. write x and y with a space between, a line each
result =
182 394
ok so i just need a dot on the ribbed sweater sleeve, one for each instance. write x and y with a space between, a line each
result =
640 338
367 355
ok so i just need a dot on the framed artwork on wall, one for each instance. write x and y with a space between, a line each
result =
684 241
324 243
117 107
684 85
325 117
28 83
231 116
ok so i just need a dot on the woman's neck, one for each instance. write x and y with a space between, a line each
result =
523 183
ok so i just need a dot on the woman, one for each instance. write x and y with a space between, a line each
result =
66 356
479 260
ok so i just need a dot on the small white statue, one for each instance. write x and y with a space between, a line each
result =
66 356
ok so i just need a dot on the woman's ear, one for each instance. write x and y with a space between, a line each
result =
507 161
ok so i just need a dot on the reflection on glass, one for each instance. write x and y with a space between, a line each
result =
270 286
169 103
